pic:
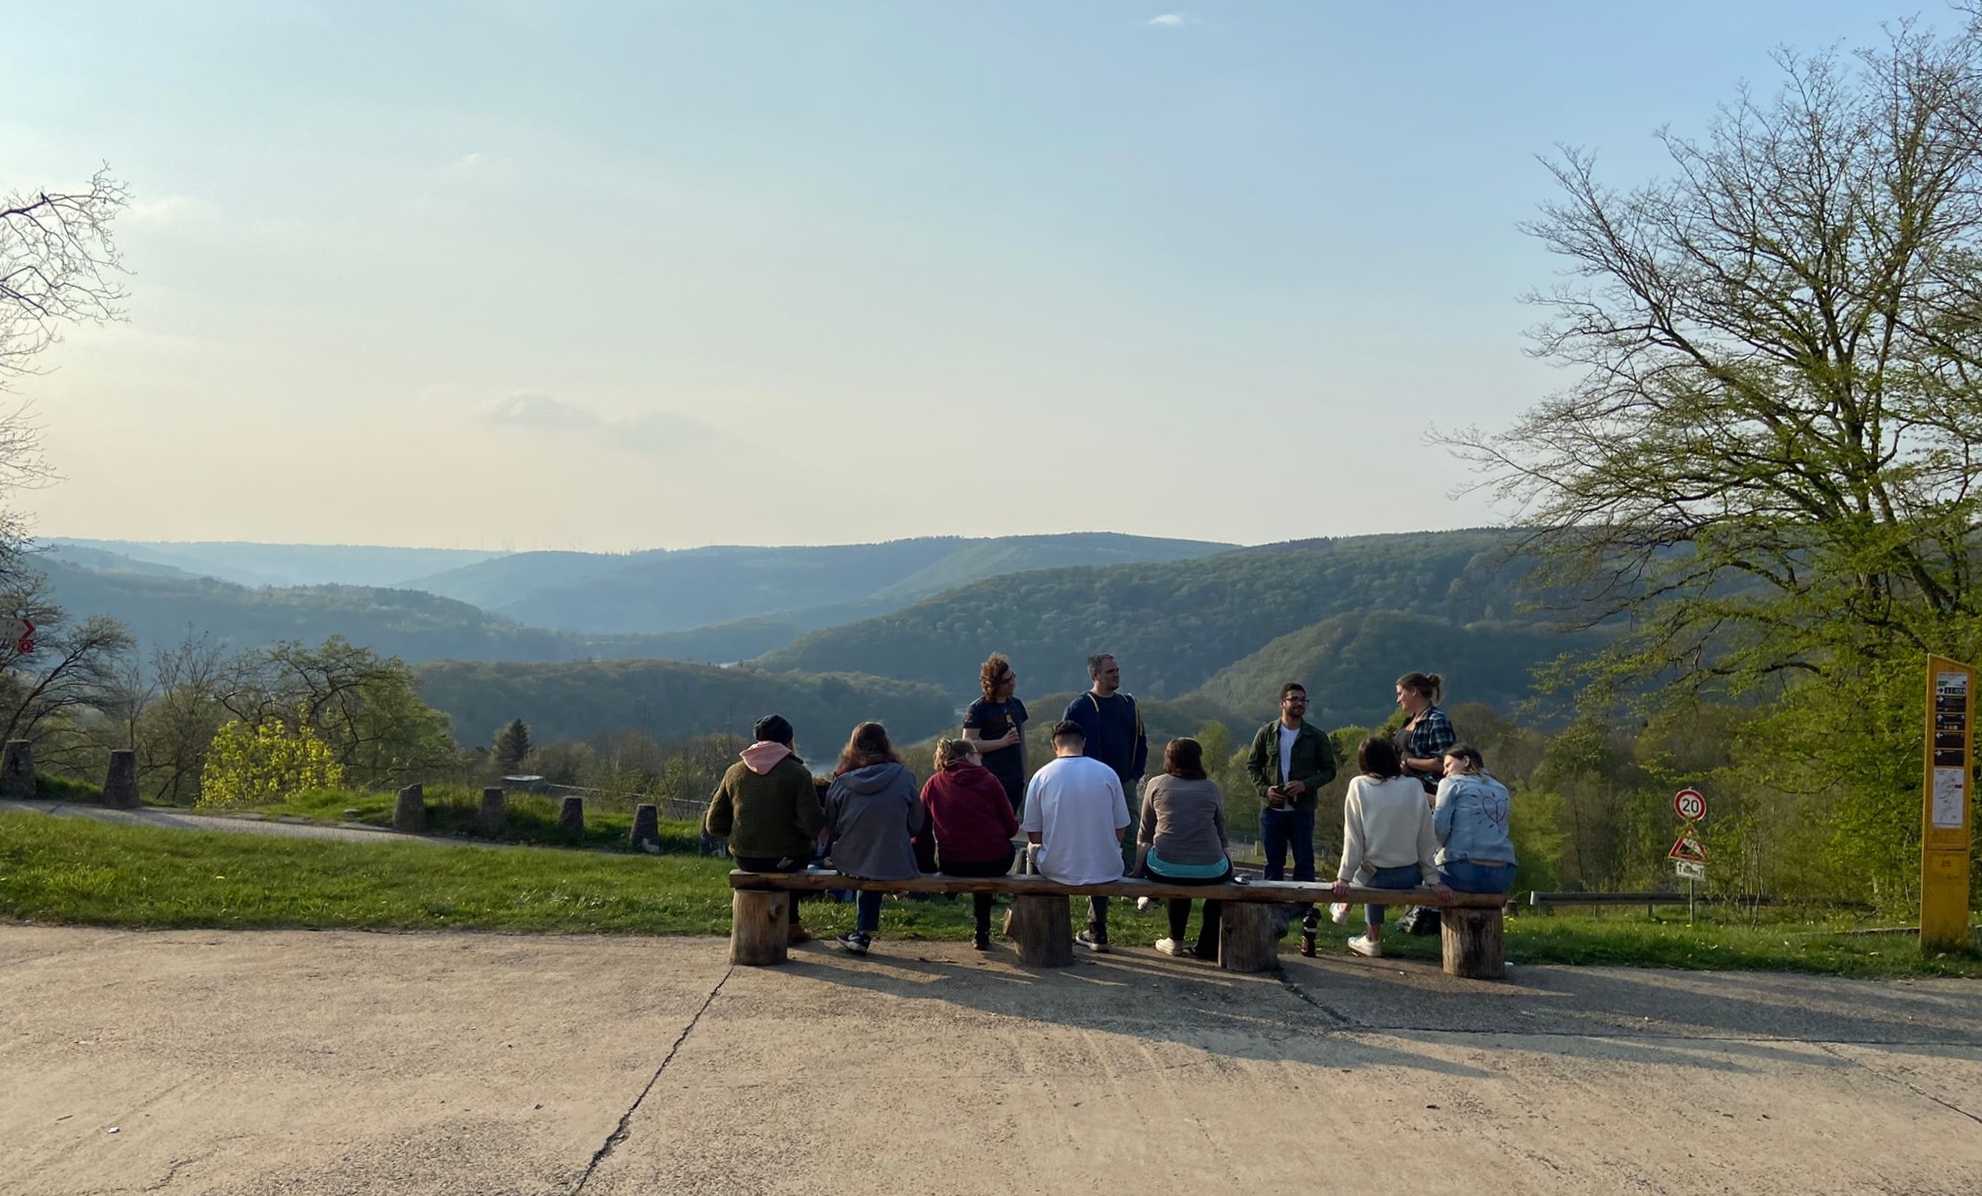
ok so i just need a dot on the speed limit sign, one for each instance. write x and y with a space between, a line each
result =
1690 805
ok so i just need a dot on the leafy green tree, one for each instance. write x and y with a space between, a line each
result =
1767 459
512 744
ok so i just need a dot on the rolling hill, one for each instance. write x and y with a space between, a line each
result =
1173 625
662 591
252 564
671 700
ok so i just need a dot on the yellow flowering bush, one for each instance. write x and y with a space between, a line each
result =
249 765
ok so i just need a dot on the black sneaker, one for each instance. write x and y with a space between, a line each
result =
854 942
1086 938
981 942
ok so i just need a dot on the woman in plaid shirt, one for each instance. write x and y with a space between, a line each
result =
1427 732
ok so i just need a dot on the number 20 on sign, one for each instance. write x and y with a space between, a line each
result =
1690 805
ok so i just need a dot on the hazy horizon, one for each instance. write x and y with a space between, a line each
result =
613 277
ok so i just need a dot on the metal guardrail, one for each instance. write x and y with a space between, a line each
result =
1543 901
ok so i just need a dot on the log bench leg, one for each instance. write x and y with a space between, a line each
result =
1247 938
1043 927
757 931
1475 946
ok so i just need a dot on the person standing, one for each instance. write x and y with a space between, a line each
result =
1291 759
973 823
1427 734
873 814
768 807
1109 719
1075 811
995 723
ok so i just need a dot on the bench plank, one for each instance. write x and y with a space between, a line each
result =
1282 891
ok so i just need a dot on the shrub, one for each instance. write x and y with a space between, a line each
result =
250 765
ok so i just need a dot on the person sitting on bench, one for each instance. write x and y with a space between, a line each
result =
769 809
1386 831
873 814
973 822
1076 812
1475 855
1182 838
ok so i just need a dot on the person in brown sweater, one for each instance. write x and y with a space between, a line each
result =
769 808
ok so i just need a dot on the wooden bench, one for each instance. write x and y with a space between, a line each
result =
1042 926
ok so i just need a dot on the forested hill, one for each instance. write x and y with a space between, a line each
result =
669 700
1350 662
1173 625
660 591
163 609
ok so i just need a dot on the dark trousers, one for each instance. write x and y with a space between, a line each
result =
1283 829
766 863
1180 911
1097 918
980 902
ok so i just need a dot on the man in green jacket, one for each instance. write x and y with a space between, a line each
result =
769 808
1290 761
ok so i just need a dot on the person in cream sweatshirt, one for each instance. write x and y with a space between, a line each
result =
1387 832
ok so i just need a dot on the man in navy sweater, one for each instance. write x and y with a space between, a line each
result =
1115 737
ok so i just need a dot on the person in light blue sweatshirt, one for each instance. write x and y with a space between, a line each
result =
1471 819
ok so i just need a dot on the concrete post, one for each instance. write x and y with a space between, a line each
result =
571 817
411 812
17 770
495 812
647 827
120 786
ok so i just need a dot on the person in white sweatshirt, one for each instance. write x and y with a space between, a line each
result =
1387 832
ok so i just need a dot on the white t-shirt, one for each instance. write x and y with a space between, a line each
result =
1287 739
1076 804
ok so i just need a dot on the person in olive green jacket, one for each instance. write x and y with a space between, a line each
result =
1290 761
770 809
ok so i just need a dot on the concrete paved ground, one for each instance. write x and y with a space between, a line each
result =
299 1062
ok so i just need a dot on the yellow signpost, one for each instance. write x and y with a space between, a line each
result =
1944 833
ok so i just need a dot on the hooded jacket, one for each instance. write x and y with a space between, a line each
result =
874 815
766 805
970 814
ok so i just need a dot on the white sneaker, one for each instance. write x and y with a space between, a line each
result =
1145 904
1173 947
1363 944
1338 913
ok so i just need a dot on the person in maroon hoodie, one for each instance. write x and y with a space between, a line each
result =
973 823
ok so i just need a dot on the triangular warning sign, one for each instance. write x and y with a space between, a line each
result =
1687 847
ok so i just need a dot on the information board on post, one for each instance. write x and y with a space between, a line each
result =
1944 814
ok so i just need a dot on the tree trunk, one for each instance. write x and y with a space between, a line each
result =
1247 938
120 786
494 817
1043 927
758 931
411 812
1474 944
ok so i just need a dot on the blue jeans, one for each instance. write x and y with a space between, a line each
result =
1281 829
1404 876
867 910
1464 876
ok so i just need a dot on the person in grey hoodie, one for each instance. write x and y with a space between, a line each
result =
873 813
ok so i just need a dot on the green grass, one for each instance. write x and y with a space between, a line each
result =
73 870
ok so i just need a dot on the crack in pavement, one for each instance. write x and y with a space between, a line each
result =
626 1119
1906 1084
1340 1019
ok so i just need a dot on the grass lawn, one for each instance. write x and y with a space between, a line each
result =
73 870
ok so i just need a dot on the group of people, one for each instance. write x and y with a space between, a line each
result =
1422 809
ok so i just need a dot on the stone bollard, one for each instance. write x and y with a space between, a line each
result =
120 787
647 827
495 812
17 770
411 812
571 817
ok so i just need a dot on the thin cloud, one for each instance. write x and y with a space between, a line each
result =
650 431
1173 20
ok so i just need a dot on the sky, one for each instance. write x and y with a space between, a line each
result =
533 274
